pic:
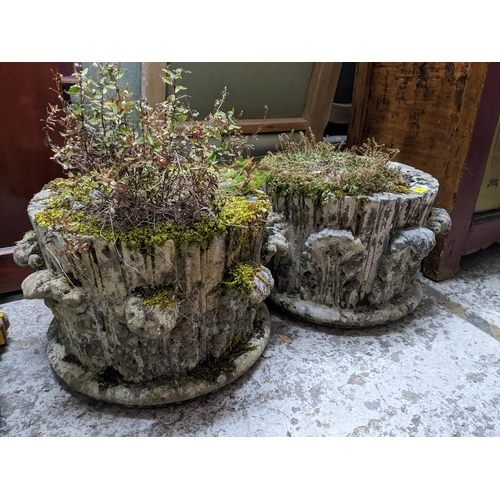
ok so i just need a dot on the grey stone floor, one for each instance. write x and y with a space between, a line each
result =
433 373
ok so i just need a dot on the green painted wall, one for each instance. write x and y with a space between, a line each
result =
251 86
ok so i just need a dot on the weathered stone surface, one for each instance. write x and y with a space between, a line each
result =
439 222
276 243
99 298
350 318
325 279
149 322
263 283
155 392
399 266
46 285
353 261
27 251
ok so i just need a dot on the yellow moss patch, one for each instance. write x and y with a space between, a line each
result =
240 277
49 216
236 212
164 299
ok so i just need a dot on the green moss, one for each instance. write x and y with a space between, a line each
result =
146 239
402 190
362 200
164 298
240 277
236 212
310 169
66 194
243 219
39 263
49 216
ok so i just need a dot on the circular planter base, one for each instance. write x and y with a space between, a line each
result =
152 393
321 314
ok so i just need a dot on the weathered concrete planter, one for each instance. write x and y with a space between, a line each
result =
354 261
108 344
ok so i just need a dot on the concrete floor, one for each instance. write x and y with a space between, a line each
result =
434 373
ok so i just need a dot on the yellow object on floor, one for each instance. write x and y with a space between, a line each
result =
4 326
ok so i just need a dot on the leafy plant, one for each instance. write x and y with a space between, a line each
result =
141 164
309 168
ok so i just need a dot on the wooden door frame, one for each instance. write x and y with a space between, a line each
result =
470 147
317 107
359 109
471 232
25 163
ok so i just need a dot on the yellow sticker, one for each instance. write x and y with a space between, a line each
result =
420 189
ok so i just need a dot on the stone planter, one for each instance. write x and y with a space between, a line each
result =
354 261
145 328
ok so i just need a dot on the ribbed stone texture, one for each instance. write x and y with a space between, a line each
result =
98 296
353 261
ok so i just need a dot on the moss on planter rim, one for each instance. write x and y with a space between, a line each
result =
324 169
64 210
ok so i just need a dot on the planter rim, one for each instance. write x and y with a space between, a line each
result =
423 185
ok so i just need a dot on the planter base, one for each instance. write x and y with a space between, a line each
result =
180 388
321 314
